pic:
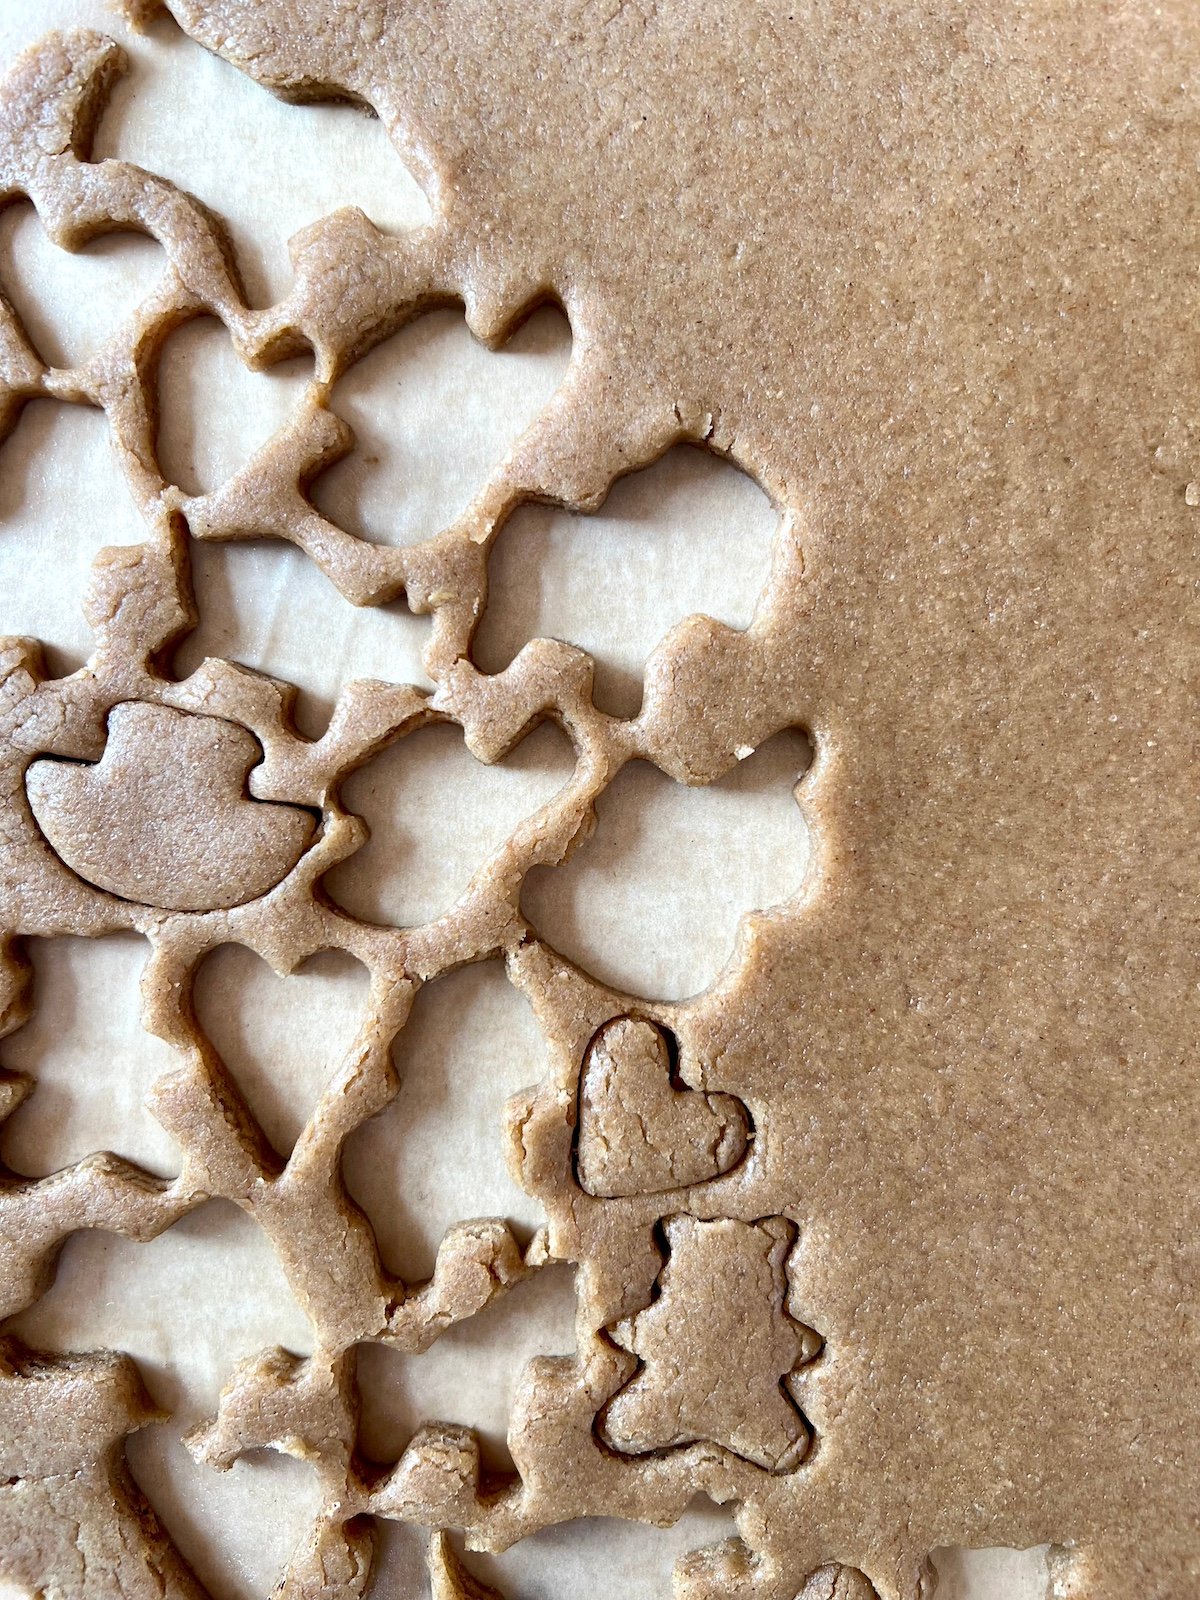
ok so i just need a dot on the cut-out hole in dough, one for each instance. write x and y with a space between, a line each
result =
435 1155
293 164
91 1061
399 1567
188 1306
436 814
992 1574
651 902
689 534
602 1557
281 1038
470 1374
62 499
214 412
434 413
263 604
70 302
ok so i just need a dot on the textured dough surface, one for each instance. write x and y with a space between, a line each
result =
926 272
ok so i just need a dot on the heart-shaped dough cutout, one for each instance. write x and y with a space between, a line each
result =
638 1132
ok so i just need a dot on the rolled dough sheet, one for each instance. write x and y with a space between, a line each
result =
291 165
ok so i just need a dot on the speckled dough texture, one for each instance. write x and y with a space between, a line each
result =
889 1239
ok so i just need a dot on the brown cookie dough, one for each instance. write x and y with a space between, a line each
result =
638 1133
927 272
164 816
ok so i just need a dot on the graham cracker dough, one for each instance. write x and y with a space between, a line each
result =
163 817
898 1250
638 1133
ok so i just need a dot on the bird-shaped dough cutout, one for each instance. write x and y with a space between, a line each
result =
164 818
